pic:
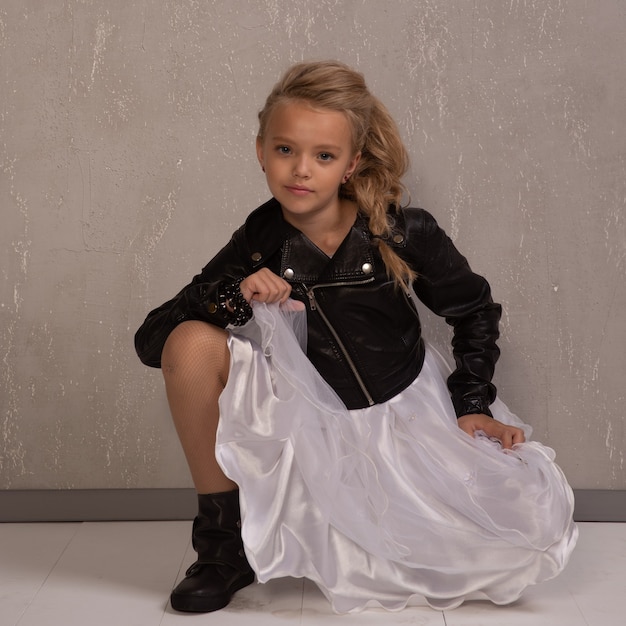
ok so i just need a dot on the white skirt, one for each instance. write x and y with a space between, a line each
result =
386 505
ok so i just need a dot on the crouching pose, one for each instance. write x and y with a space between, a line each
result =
325 439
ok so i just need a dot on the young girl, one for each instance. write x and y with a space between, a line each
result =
302 390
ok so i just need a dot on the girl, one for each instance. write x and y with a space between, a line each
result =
297 357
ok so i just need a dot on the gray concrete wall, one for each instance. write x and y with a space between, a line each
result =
127 158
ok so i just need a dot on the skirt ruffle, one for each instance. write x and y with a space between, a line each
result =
388 504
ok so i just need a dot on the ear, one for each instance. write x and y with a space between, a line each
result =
353 163
259 153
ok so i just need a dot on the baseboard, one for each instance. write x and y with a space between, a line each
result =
600 505
88 505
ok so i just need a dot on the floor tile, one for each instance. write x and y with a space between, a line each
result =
28 555
110 574
121 574
549 604
597 574
590 592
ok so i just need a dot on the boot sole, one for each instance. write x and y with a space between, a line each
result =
200 604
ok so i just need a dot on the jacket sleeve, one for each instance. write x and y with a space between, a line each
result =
448 287
199 300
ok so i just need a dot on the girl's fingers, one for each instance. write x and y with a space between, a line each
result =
508 435
265 286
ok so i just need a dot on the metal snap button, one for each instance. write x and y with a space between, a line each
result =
398 238
367 268
288 273
256 256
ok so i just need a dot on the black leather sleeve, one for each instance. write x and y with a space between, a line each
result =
197 301
449 288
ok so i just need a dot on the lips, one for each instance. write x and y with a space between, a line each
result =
298 191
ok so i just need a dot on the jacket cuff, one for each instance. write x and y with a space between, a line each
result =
471 406
229 305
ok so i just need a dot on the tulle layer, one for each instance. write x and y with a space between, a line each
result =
383 505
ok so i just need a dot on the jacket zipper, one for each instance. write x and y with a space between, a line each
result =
316 307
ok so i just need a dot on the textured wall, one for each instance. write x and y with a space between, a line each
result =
127 159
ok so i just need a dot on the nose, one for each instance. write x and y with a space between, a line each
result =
301 168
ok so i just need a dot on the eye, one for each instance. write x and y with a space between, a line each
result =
326 156
283 150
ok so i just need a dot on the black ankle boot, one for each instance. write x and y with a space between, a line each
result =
222 567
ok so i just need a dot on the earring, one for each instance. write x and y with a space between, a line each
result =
346 178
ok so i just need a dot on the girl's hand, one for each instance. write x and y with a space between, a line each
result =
265 286
508 435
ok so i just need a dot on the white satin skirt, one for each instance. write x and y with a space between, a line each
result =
388 505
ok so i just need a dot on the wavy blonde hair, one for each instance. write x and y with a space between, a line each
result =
376 184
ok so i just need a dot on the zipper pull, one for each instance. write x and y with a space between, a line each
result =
312 302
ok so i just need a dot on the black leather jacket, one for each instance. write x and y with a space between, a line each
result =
364 333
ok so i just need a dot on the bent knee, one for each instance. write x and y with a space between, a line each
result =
195 343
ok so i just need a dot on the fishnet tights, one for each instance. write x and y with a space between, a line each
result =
195 364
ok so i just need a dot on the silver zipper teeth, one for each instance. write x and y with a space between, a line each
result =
315 307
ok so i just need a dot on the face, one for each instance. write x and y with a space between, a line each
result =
306 154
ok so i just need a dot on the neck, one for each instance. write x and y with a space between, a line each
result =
327 232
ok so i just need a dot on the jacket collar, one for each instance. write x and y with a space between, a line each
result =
265 230
301 260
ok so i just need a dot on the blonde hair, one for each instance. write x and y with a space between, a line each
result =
376 184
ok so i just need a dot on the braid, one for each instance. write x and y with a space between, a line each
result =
376 185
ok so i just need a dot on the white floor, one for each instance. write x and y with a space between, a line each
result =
120 574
